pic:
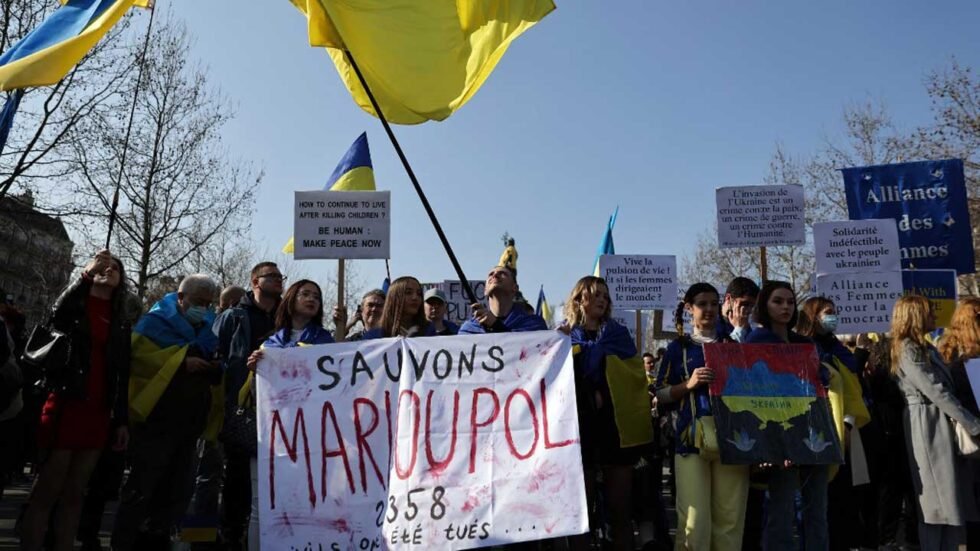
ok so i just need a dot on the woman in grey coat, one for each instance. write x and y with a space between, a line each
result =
940 476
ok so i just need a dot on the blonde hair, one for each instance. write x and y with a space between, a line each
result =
910 321
392 317
962 338
575 305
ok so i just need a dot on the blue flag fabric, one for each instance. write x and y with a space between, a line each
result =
7 116
606 246
312 334
613 340
166 326
928 201
517 321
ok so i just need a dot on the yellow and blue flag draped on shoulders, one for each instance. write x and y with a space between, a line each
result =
354 172
606 246
47 53
160 343
422 59
610 360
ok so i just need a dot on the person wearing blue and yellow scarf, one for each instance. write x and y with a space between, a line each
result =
613 404
172 387
818 321
299 322
711 496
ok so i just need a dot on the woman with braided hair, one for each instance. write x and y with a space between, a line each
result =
711 496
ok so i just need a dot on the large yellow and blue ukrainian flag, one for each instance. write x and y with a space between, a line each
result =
543 309
160 342
354 172
606 246
46 54
423 59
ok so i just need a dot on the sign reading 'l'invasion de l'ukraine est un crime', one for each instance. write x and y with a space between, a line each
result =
928 201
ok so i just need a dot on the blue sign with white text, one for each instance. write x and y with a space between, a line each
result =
928 201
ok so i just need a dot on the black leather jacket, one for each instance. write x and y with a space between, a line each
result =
69 316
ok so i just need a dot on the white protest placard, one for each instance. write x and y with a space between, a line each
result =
640 282
627 318
864 300
973 374
457 304
342 224
857 246
760 216
438 443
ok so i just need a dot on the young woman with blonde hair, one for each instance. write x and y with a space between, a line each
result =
597 338
943 480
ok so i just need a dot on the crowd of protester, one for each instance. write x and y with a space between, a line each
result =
157 411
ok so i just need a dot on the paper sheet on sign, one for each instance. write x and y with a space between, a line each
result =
426 443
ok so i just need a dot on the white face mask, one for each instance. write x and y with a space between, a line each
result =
739 333
195 314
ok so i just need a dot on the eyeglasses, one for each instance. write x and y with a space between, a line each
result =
274 277
308 294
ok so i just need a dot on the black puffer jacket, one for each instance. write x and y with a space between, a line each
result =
69 316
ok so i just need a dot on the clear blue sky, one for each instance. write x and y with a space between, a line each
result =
645 104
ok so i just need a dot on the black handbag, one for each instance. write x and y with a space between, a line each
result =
239 434
49 352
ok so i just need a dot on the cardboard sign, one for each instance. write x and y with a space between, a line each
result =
427 443
342 224
760 216
640 282
864 301
927 200
770 405
857 246
939 286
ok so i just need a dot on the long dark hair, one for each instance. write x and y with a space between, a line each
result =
284 314
391 316
761 313
692 291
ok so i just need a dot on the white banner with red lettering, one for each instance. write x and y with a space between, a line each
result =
425 443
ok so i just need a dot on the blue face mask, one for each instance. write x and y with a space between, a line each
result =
829 323
195 314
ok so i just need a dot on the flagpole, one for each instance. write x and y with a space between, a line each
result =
340 332
418 188
129 128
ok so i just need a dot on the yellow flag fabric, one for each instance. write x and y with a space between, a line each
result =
148 4
631 402
50 51
422 59
152 369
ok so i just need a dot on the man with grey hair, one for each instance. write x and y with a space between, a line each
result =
173 347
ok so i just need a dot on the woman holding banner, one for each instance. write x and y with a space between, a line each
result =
943 479
776 314
299 322
711 496
403 314
599 343
818 321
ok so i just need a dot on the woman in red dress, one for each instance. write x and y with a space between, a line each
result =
90 403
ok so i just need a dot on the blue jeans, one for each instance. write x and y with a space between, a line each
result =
811 481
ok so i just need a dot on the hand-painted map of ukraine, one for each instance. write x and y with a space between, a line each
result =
770 404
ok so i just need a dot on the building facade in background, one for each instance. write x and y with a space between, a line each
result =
35 257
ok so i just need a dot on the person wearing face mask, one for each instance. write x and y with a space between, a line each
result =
88 411
818 321
173 375
711 496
